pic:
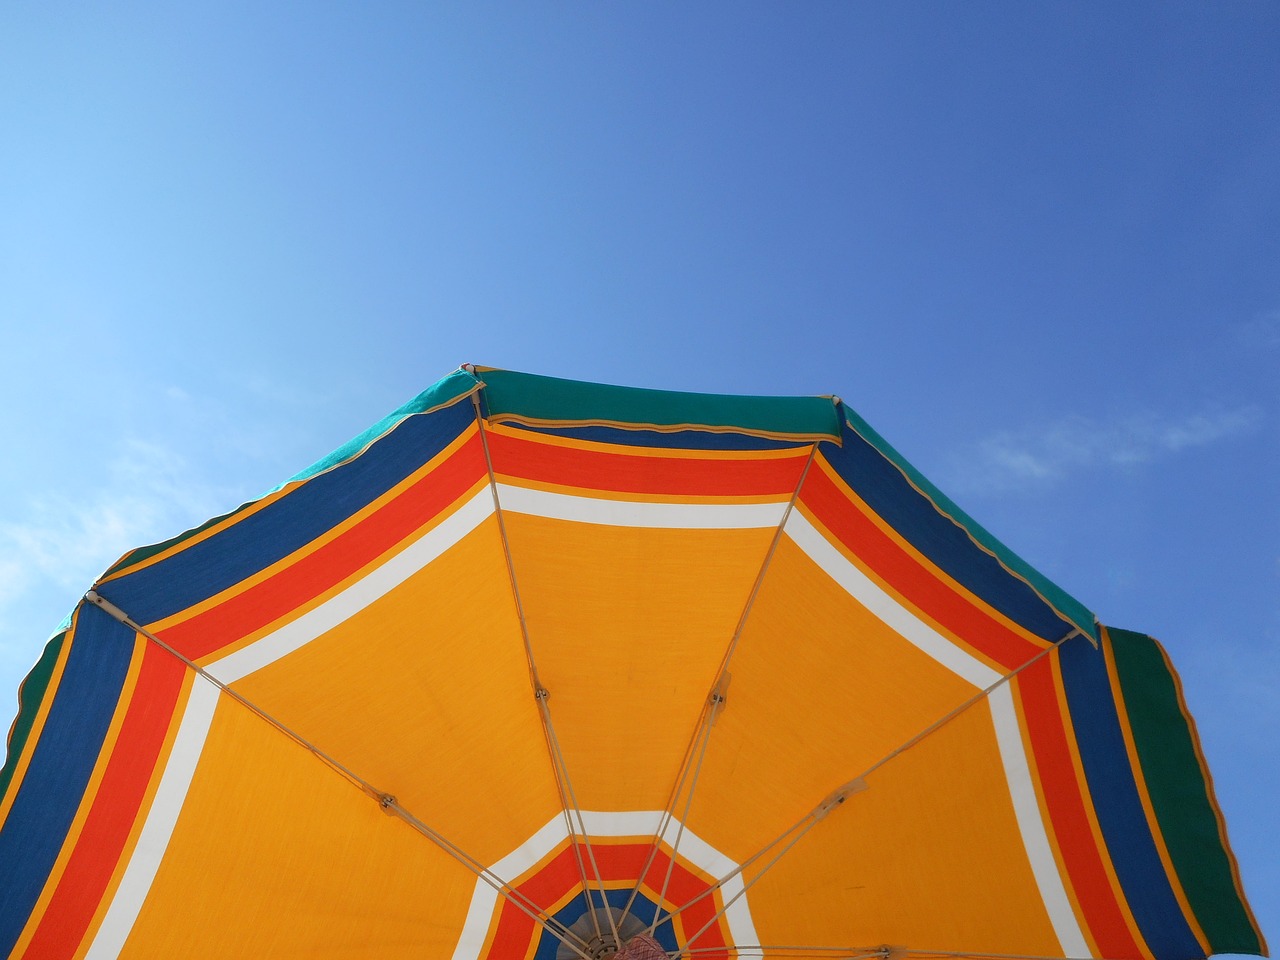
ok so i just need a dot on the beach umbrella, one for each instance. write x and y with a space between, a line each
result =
541 668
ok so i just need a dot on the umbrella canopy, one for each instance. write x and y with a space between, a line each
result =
540 668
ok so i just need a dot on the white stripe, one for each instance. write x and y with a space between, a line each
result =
901 620
197 717
636 513
525 856
1017 773
154 838
741 927
693 849
483 901
1034 839
359 595
629 823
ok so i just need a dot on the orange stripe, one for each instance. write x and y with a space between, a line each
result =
923 587
1046 816
131 841
1069 819
236 516
297 583
71 843
115 807
744 475
555 882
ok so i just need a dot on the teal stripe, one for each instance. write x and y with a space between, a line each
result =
532 398
441 393
1181 794
1063 602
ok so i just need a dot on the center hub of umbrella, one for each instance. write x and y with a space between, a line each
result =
592 933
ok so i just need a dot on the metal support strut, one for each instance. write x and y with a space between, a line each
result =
386 801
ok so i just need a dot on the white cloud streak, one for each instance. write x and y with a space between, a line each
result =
61 541
1038 456
55 541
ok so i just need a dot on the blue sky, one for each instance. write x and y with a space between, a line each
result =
1037 246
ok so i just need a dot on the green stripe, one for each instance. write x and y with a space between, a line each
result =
1063 602
30 695
543 399
453 387
1181 793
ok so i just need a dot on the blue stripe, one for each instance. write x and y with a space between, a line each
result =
945 542
54 784
460 383
680 440
260 539
642 909
1119 807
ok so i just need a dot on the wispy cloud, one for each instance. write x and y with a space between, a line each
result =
202 457
60 542
1037 456
53 544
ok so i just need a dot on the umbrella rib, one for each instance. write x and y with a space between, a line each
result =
862 953
982 955
975 699
809 820
385 800
714 708
564 786
715 702
808 824
802 951
517 899
665 820
558 757
764 567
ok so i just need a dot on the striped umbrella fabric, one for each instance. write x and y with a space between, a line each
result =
537 668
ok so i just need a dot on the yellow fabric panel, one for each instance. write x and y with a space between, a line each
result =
929 857
276 854
425 693
628 627
820 690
